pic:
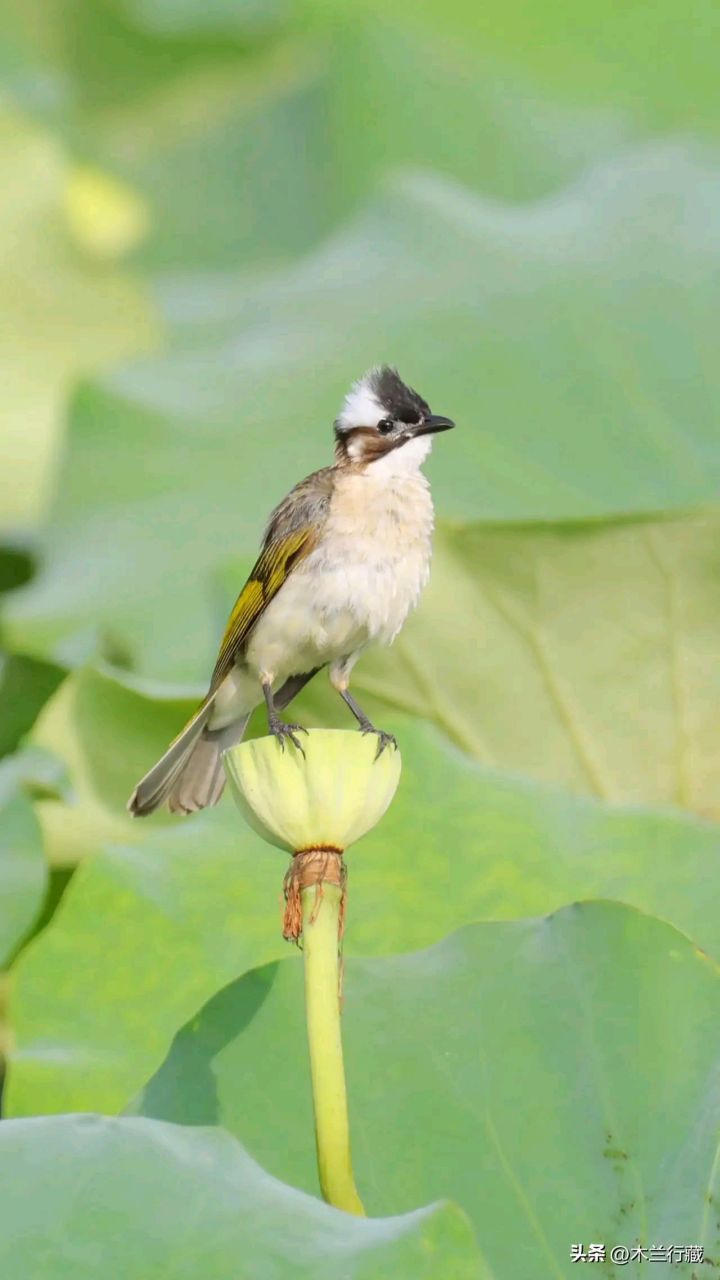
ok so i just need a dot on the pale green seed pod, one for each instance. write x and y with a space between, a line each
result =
331 796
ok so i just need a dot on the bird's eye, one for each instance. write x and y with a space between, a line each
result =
385 425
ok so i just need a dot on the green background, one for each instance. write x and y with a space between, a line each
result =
214 217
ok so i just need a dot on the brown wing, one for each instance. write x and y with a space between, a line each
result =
292 532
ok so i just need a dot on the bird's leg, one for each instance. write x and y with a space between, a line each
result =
339 681
366 726
277 727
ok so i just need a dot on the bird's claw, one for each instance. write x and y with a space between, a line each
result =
384 739
281 731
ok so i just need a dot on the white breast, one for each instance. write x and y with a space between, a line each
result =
362 580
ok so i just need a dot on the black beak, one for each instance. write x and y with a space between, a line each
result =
434 422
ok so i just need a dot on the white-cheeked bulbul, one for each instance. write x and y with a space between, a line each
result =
344 559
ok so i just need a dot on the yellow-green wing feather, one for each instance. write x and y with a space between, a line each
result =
269 573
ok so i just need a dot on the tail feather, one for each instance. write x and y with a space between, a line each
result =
189 775
155 787
201 780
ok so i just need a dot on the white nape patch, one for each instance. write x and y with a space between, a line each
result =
404 459
361 408
355 449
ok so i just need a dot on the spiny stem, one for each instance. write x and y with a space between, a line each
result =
321 920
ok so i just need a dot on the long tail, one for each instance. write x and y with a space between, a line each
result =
190 774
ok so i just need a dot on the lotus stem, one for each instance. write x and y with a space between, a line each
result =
321 906
314 805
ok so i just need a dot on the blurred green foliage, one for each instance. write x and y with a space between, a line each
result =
466 1031
215 216
197 1203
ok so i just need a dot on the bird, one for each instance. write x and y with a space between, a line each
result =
344 559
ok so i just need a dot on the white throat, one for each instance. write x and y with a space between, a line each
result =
404 460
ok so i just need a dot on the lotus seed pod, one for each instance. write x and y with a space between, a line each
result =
331 796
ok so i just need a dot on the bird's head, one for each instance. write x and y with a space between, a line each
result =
382 416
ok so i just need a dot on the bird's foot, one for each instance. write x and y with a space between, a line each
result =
384 739
281 731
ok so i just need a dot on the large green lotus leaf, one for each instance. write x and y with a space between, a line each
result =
152 1200
16 566
23 871
143 935
76 820
292 120
558 1078
70 62
172 910
25 686
486 114
187 18
63 314
38 772
652 64
216 132
475 121
568 339
582 654
215 153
